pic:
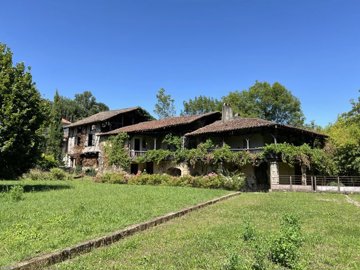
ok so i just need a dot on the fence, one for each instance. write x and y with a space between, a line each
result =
317 183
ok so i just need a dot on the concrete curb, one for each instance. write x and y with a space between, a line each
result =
71 252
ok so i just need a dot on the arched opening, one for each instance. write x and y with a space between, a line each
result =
174 171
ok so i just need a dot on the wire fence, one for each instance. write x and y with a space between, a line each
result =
317 183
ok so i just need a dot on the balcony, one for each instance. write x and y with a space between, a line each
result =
136 153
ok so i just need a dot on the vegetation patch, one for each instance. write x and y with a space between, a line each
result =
213 181
213 238
41 222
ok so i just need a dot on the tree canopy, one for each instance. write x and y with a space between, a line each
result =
21 117
55 138
164 106
200 105
83 105
344 140
271 102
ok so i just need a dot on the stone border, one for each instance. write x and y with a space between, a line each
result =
85 247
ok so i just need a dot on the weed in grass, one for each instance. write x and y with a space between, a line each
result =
249 231
284 248
235 262
16 193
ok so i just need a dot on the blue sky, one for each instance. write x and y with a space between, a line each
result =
124 51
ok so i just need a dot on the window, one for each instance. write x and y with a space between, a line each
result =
90 140
78 140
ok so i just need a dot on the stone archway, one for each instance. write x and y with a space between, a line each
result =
173 171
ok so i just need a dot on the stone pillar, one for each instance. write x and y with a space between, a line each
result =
184 168
303 174
274 173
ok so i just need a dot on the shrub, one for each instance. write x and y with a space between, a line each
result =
78 169
36 174
16 193
90 172
57 174
113 178
46 162
284 248
213 181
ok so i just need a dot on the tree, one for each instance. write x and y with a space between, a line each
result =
87 104
21 117
270 102
345 140
165 105
200 105
55 130
83 105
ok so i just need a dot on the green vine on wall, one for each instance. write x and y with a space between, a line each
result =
312 158
116 152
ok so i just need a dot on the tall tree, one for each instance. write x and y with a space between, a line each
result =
87 104
270 102
83 105
345 140
55 129
165 105
21 117
200 105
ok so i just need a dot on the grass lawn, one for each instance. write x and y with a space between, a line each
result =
57 214
207 238
355 196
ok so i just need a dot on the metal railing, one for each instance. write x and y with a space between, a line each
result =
251 150
317 183
136 153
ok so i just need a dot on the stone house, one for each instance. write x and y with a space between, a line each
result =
82 140
251 135
149 135
87 138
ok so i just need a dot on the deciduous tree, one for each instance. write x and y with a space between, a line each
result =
270 102
200 105
165 105
21 117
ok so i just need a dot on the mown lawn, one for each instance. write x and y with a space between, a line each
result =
206 239
57 214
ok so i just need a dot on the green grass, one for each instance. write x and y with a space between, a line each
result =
207 238
355 197
57 214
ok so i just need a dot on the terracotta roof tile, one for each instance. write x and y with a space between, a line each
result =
242 123
102 116
159 124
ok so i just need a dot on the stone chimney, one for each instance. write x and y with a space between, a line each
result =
227 113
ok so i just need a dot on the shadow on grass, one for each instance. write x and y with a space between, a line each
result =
34 187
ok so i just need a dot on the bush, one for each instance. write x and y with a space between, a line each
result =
16 193
36 174
113 178
46 162
90 172
57 174
284 248
78 169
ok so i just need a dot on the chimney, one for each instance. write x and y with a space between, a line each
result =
227 113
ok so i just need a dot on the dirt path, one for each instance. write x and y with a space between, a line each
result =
349 200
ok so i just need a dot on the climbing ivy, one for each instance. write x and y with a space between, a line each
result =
116 152
313 158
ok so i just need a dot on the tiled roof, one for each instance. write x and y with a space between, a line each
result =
65 122
102 116
241 124
160 124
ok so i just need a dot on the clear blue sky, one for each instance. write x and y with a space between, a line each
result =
124 51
